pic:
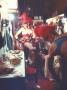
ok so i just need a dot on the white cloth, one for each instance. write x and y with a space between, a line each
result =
23 30
64 21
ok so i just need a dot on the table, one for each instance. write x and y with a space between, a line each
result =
16 80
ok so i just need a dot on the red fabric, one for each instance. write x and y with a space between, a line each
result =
24 35
30 70
29 20
24 17
44 31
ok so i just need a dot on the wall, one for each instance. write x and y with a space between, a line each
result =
46 8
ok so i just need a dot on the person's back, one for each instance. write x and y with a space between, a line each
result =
59 48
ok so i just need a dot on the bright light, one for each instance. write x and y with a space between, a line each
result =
11 16
4 11
11 4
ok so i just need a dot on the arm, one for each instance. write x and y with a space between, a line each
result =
33 34
18 32
52 49
52 53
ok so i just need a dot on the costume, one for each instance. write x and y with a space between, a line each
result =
25 34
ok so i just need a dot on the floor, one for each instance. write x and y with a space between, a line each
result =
42 84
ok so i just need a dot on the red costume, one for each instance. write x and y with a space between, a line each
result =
45 31
25 18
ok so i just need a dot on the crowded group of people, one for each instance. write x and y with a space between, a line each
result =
35 41
40 50
39 43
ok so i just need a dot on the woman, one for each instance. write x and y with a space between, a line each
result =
25 34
